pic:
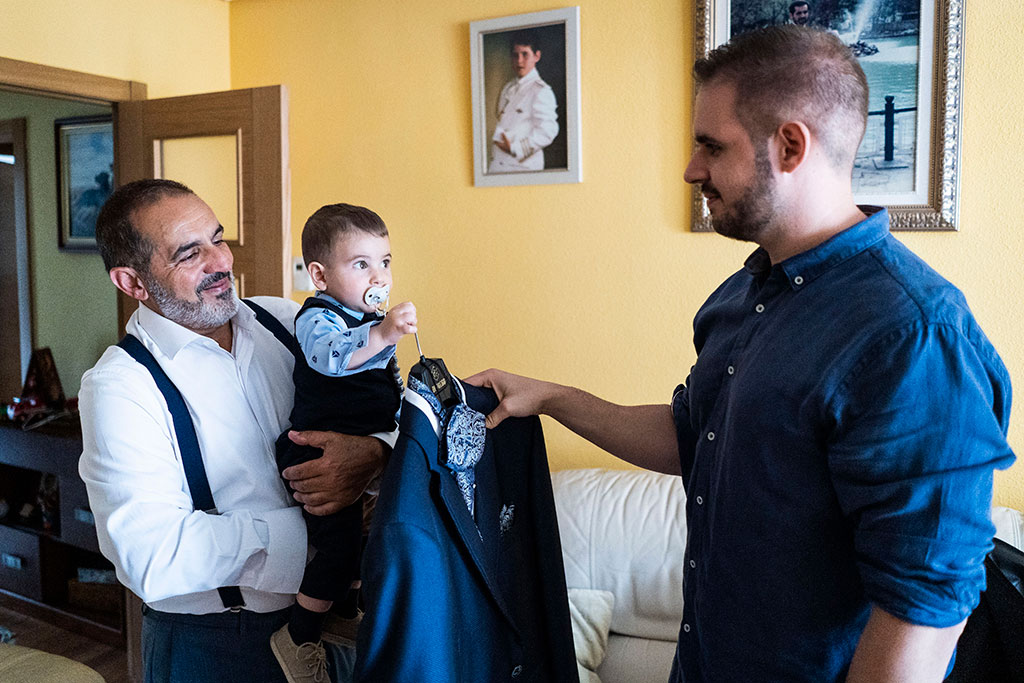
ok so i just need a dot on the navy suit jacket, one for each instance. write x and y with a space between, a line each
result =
447 602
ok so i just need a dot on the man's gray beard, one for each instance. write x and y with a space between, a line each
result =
755 210
199 314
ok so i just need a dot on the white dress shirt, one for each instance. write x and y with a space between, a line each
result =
170 555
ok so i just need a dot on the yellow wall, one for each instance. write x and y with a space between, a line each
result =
176 47
592 284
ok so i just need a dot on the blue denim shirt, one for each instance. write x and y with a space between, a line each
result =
837 434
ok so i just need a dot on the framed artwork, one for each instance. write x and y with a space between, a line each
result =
526 98
911 53
85 177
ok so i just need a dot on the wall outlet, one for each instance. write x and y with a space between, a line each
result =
300 276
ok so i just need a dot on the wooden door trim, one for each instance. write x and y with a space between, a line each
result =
17 340
53 81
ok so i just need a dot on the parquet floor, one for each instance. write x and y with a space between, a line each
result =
109 662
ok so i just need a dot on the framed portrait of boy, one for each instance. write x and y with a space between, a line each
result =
526 99
85 177
910 51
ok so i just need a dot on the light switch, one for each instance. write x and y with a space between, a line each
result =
300 276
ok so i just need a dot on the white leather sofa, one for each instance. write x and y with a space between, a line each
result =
624 532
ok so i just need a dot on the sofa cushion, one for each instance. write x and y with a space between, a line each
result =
637 659
624 531
1009 526
591 612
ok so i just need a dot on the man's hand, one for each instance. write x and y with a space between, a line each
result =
504 144
337 478
519 396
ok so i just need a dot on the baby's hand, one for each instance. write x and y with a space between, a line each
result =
400 321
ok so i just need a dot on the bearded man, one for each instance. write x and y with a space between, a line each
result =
837 434
216 582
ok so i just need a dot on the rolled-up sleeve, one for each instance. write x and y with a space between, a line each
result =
920 424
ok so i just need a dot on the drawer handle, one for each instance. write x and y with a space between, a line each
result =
11 561
84 515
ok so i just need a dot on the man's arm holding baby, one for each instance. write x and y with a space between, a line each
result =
335 480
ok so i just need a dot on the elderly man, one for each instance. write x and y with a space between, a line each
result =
218 576
838 431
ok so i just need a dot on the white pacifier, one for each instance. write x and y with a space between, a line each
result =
377 296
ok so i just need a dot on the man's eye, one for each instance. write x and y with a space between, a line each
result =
361 265
191 255
387 263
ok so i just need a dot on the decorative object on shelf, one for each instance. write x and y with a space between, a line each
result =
85 177
42 398
525 73
909 160
6 635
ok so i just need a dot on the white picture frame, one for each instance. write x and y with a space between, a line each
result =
558 34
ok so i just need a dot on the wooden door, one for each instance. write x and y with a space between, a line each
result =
254 124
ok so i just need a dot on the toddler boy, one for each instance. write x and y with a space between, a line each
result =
348 381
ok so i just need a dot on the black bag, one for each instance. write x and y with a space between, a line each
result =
991 648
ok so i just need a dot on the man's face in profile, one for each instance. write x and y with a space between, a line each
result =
800 15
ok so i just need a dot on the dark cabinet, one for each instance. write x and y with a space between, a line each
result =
49 556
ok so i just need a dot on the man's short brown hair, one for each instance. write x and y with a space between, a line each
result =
794 73
119 242
330 222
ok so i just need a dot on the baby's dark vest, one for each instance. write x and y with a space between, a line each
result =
361 404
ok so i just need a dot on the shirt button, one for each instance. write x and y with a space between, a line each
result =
686 628
799 280
731 370
759 308
700 501
692 564
711 436
516 671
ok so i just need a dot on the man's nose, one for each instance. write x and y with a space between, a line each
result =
695 171
221 259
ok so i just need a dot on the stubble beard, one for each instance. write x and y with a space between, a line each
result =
198 314
753 213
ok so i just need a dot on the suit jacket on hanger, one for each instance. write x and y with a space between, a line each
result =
452 599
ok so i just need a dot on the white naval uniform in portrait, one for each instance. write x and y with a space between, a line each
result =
526 116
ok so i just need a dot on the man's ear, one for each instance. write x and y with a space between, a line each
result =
128 281
537 53
793 142
316 274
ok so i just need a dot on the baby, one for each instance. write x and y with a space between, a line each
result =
347 381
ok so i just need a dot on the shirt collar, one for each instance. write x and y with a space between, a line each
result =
532 76
327 297
170 337
805 267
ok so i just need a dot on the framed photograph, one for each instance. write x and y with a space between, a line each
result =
526 98
911 53
85 177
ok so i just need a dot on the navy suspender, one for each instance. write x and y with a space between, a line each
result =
184 429
275 327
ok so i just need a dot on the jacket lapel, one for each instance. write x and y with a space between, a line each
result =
420 429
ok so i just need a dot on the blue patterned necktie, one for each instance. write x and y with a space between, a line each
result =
463 433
